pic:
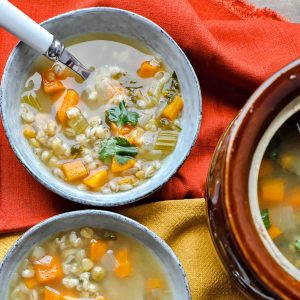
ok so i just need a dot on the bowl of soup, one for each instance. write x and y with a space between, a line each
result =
121 134
92 254
253 191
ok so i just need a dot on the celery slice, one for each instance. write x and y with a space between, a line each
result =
79 124
31 100
166 140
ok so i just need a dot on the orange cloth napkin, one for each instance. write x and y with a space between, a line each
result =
233 48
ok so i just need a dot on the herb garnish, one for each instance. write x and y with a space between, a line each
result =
76 150
266 218
119 148
121 116
174 89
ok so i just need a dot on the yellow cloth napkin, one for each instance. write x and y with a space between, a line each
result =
182 224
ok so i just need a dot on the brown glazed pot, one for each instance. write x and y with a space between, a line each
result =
231 225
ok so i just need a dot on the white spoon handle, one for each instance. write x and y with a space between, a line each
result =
20 25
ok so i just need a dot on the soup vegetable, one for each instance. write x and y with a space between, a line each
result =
90 264
111 132
279 189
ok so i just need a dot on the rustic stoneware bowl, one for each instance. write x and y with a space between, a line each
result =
241 240
103 20
101 219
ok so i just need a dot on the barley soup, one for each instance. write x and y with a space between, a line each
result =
111 132
279 189
90 264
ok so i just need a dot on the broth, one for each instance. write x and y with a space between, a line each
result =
90 264
111 132
279 189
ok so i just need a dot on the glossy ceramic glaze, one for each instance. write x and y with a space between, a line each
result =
114 21
238 240
101 219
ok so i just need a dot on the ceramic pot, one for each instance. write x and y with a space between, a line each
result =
245 250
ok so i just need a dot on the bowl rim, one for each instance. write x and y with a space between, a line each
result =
280 88
128 199
90 213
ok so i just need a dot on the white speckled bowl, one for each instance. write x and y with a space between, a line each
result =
104 20
100 219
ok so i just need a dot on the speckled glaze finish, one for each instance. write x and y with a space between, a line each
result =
237 239
101 219
104 20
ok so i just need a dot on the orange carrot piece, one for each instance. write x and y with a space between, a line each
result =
74 170
173 109
274 232
96 180
266 168
148 70
71 99
51 294
31 283
118 168
153 283
48 268
124 268
97 250
51 85
294 196
272 190
126 129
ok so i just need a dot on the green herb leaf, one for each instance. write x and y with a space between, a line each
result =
121 116
173 90
117 147
266 218
297 244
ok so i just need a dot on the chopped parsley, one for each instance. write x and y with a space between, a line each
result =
118 148
173 90
266 218
121 116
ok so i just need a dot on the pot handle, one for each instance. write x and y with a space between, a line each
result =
27 30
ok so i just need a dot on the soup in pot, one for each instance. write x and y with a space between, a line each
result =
279 189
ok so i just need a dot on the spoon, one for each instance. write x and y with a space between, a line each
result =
35 36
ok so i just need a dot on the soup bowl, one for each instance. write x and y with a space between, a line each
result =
241 240
107 21
96 219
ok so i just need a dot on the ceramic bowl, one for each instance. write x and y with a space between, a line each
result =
241 240
104 20
100 219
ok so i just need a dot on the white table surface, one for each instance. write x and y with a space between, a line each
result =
287 8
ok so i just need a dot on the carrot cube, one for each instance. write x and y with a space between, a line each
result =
273 190
96 180
173 109
118 168
71 99
97 250
148 70
274 232
48 268
74 170
124 268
